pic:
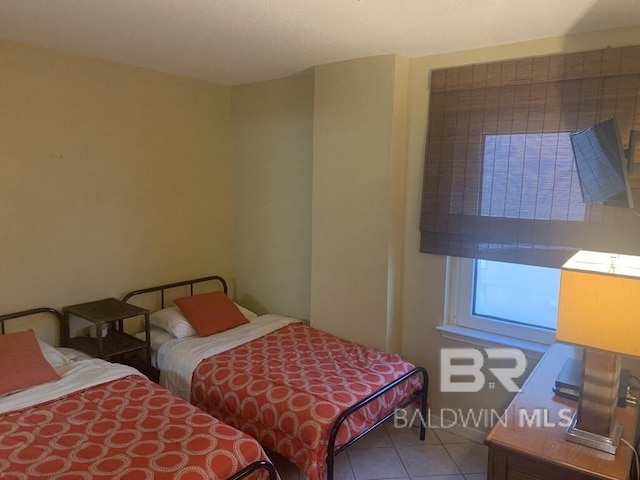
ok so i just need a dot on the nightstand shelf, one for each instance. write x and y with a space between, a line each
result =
110 342
115 343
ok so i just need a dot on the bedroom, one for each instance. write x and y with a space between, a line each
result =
116 177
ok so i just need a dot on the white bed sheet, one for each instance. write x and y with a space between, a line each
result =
177 358
158 337
74 376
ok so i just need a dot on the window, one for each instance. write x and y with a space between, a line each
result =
502 301
530 176
516 294
508 299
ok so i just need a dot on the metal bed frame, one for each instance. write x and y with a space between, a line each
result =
420 395
27 313
241 475
169 286
254 467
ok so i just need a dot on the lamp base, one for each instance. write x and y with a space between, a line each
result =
593 440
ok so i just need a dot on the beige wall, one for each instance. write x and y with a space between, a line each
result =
112 178
354 195
272 161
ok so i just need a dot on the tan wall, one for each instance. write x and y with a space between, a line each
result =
354 196
272 161
424 281
113 178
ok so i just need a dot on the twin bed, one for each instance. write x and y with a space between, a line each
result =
91 419
300 392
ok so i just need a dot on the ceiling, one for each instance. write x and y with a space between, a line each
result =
240 41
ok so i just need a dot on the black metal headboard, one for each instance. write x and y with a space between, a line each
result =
168 286
33 311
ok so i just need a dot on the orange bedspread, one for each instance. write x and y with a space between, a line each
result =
129 428
287 388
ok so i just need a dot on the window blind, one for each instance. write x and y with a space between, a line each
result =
499 176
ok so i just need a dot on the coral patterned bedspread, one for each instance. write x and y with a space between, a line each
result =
287 388
129 428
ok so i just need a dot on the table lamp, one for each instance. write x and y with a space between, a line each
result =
598 309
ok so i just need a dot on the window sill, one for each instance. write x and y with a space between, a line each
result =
485 339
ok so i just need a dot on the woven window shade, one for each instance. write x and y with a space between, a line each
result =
499 176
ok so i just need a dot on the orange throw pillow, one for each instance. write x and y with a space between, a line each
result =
23 363
210 313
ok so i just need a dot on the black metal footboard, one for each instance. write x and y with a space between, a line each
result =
421 394
254 467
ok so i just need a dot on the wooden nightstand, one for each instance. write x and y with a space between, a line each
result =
110 341
532 445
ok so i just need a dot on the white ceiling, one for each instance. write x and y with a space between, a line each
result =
240 41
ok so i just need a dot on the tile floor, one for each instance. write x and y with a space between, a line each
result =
389 453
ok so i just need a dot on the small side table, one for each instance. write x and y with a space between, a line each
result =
116 343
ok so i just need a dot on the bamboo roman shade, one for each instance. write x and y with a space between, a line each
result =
499 177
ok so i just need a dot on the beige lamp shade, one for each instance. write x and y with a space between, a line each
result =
599 304
599 309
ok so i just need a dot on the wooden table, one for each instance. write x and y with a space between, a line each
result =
529 442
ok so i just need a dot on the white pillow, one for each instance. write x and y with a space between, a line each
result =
55 357
172 320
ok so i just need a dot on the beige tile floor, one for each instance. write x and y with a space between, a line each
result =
389 453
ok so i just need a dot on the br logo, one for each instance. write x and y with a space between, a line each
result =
461 368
